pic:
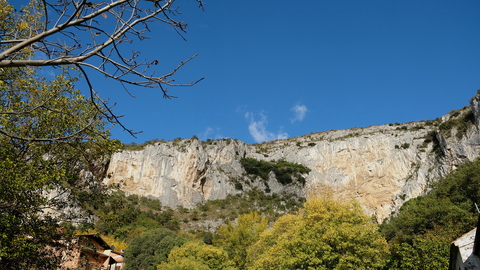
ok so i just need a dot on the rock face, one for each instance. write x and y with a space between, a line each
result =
379 166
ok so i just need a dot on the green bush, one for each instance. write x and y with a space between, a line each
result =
238 186
271 205
194 216
137 147
461 122
119 215
149 249
426 225
285 172
405 145
203 207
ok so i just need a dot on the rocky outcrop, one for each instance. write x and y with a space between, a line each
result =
379 166
181 172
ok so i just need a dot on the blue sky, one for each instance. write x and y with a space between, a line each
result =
281 69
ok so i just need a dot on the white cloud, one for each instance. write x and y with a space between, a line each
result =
258 129
300 111
205 134
211 133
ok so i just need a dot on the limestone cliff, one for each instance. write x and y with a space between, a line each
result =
379 166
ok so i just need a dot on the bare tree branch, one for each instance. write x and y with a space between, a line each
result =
90 33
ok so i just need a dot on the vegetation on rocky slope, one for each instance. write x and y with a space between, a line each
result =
309 239
421 233
285 172
125 217
458 121
418 236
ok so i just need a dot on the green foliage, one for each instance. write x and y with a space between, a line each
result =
269 205
431 137
203 207
425 253
430 251
20 24
238 186
194 216
405 146
137 147
428 224
151 203
126 217
419 215
462 186
402 146
451 202
460 120
237 237
197 256
149 249
325 235
432 122
54 148
49 134
207 237
285 172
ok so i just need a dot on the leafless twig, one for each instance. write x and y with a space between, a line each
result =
90 34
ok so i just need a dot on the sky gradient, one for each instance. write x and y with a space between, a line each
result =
281 69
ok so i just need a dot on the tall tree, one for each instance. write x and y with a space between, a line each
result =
197 256
151 248
325 235
52 144
237 237
53 139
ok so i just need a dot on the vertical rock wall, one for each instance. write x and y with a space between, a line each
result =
379 166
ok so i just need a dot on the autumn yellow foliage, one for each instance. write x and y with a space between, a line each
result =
326 234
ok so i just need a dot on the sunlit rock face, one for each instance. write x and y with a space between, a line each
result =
182 172
379 166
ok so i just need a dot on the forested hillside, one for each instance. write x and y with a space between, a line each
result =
418 236
323 233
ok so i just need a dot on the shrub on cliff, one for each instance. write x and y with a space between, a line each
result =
285 172
440 217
